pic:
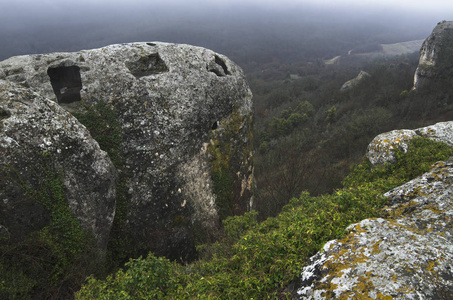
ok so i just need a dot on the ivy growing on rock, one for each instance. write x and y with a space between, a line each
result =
50 262
101 120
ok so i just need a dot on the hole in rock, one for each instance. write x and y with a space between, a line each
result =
215 125
4 114
221 63
222 71
147 65
66 83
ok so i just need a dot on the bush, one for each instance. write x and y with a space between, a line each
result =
257 261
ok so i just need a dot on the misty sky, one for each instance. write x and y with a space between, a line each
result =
31 26
418 5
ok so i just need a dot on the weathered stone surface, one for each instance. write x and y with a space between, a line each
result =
32 127
407 256
185 114
381 149
355 81
436 55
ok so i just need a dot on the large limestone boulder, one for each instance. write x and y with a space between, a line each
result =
382 148
37 138
436 56
407 256
185 115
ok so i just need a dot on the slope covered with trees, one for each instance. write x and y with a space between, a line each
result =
308 131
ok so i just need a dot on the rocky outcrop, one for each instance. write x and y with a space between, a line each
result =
355 81
405 256
436 58
382 147
37 136
185 115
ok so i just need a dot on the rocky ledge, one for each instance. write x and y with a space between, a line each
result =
405 256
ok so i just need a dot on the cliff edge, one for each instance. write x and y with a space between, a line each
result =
436 56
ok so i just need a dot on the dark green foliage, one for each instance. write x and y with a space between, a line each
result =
315 152
223 189
258 261
102 121
421 154
149 278
290 119
53 261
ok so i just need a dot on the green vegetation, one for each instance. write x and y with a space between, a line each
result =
53 261
259 260
101 120
223 153
314 151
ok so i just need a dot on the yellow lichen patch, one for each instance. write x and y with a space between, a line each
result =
431 268
345 259
432 207
380 296
405 290
402 209
418 191
361 289
375 249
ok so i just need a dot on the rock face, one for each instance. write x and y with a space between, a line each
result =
185 114
406 256
436 55
353 82
37 135
381 148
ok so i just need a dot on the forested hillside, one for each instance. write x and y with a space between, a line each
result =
308 132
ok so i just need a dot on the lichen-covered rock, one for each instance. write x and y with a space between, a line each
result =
355 81
36 137
185 116
382 147
407 256
436 55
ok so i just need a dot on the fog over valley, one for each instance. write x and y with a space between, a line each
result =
243 30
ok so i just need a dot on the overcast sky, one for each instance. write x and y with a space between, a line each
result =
439 6
29 25
15 12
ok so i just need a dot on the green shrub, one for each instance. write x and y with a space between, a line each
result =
149 278
258 261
